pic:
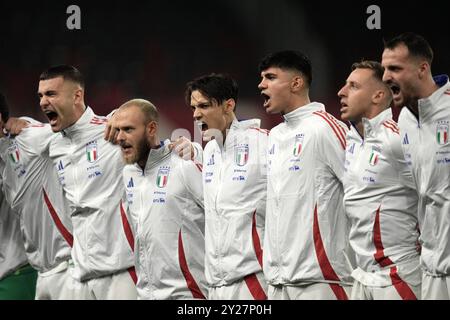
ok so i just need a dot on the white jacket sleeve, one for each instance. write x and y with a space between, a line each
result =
198 152
192 175
398 160
331 148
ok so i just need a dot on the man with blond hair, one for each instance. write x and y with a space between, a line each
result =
165 198
379 192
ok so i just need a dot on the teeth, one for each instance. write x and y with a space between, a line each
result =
202 125
394 88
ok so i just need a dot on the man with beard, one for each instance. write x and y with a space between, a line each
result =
424 123
165 198
379 194
90 171
234 183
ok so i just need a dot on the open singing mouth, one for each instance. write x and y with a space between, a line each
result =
202 126
52 116
266 98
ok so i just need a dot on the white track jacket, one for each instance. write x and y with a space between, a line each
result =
381 202
12 251
306 236
426 146
90 171
234 183
32 187
166 207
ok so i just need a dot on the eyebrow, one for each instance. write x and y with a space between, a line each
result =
46 93
201 104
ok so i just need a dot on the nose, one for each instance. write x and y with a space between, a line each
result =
120 136
341 93
197 114
387 76
43 101
262 84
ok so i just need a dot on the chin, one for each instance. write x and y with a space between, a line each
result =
129 160
398 104
56 129
270 111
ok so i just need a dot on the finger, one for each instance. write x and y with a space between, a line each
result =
107 132
185 151
113 134
14 129
183 145
7 126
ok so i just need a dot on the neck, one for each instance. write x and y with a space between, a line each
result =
359 127
230 120
154 143
79 110
298 102
425 91
429 87
143 160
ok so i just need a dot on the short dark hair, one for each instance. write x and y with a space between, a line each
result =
4 108
215 86
288 60
67 72
375 66
416 44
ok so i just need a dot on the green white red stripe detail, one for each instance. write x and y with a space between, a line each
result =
14 156
92 155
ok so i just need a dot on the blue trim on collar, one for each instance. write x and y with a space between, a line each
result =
441 79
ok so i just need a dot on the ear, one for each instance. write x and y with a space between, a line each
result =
79 95
424 69
378 96
297 83
151 129
230 104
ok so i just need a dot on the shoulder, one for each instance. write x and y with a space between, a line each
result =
447 93
325 119
98 120
257 131
185 169
390 136
37 130
210 147
193 166
327 126
275 130
444 100
390 127
35 136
